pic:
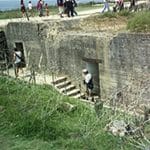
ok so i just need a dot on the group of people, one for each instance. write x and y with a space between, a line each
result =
67 7
118 6
64 6
41 6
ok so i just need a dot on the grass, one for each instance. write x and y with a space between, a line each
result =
32 117
140 22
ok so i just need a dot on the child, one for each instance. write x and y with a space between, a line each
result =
46 9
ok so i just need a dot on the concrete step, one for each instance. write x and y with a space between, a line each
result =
78 96
73 92
67 88
63 84
59 80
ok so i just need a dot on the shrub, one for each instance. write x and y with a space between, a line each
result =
124 13
31 111
140 22
109 15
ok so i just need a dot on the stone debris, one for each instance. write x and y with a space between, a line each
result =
117 128
67 107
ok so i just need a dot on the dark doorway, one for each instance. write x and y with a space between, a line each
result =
93 68
19 46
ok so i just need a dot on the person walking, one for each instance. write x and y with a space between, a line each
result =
88 81
106 6
60 5
74 6
119 5
69 8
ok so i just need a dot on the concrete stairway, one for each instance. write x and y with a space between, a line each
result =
65 86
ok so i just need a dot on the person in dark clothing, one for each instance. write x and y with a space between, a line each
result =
132 5
74 6
23 9
119 5
69 8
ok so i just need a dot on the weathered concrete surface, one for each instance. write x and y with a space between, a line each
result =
3 46
130 66
60 46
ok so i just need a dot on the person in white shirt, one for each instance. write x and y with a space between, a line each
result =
106 6
30 8
88 81
17 61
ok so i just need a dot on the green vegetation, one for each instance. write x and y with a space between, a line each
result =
108 15
10 14
32 117
125 13
140 22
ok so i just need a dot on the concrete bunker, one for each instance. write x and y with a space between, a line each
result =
62 51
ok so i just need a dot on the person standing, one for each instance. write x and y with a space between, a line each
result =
88 81
46 9
40 7
23 9
17 61
30 8
60 5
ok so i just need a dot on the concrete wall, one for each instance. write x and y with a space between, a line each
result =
3 46
53 48
130 63
30 36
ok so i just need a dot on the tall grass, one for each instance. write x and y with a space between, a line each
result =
10 14
33 112
140 22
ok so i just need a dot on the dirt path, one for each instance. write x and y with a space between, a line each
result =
81 14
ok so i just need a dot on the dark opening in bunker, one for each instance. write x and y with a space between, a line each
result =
19 46
92 65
